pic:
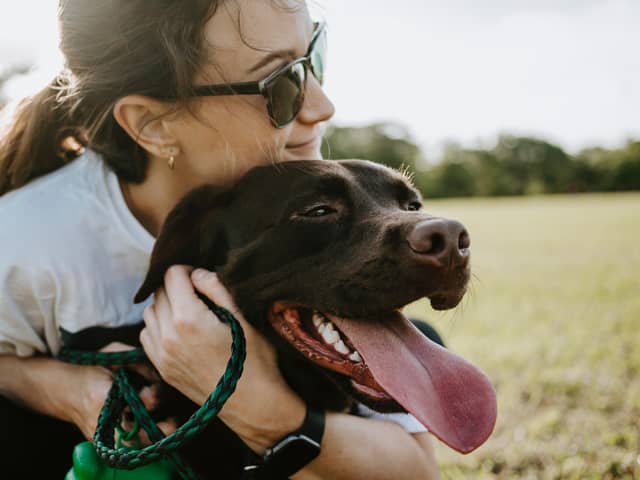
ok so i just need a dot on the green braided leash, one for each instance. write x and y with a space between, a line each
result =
122 394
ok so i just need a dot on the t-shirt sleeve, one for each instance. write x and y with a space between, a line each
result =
405 420
24 310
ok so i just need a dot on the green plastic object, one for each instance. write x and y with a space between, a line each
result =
88 466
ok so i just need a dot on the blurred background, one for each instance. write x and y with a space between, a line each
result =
520 118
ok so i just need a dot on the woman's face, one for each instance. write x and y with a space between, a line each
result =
230 134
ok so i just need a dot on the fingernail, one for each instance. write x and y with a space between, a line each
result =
199 274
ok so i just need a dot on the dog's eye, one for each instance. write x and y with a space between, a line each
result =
319 211
414 206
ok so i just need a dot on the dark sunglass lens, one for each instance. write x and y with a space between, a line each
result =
286 94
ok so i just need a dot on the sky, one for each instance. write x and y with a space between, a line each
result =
449 70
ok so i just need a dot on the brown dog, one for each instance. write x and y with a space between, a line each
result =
320 256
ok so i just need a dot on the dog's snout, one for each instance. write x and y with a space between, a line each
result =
446 241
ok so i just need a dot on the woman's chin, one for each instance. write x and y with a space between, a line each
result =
302 153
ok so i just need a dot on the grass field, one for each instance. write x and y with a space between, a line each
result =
553 317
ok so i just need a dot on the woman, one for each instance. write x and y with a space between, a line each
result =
83 233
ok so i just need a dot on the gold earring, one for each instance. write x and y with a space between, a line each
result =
172 162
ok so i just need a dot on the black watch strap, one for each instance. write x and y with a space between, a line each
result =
291 453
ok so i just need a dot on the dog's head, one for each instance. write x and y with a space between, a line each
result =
320 256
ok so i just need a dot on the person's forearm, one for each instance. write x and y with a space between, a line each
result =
352 447
355 448
45 385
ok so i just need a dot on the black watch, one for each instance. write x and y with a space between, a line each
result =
290 453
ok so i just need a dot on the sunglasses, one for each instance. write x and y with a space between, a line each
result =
284 89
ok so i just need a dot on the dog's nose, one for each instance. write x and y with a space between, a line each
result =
446 241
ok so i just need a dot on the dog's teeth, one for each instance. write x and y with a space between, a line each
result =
330 335
341 347
317 319
355 356
322 328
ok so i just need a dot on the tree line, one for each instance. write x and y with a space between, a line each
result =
514 166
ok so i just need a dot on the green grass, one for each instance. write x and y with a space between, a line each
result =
553 317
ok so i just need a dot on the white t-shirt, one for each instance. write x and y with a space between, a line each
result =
72 256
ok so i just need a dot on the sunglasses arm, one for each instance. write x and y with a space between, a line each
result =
243 88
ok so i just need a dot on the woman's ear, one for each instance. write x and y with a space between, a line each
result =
146 121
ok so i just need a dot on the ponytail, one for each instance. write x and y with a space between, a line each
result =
41 137
111 49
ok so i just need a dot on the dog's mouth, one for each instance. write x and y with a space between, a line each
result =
391 363
314 335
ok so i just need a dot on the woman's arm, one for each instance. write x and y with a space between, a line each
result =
191 353
71 393
67 392
355 448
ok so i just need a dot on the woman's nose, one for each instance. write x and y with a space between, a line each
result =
317 107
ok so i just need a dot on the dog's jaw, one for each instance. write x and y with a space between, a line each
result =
329 349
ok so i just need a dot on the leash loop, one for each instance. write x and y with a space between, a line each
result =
122 393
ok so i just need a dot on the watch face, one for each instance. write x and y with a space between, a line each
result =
290 455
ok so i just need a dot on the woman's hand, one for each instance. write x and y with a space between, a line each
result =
68 392
92 385
190 347
95 382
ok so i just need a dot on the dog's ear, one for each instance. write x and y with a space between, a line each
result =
184 239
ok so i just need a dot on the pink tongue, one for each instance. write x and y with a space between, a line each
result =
448 395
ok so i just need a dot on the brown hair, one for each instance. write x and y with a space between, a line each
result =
112 49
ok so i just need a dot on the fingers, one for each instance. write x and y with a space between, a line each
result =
149 397
150 335
179 291
178 300
186 308
159 326
185 341
168 426
208 284
117 347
